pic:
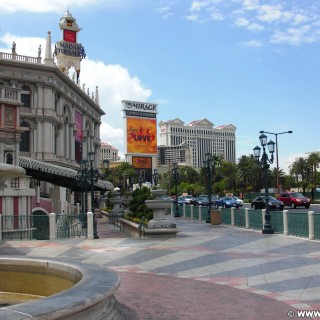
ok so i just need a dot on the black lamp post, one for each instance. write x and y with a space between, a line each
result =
277 159
175 178
106 165
209 166
264 162
93 176
155 177
82 178
140 180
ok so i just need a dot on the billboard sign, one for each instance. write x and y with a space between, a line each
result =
141 135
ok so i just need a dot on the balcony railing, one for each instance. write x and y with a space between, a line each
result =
25 59
9 95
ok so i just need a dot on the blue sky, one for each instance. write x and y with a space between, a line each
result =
252 63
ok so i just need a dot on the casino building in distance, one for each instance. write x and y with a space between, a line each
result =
190 142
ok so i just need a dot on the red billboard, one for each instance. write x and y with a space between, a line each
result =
141 135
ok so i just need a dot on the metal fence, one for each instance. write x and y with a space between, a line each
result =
28 227
71 226
17 227
297 223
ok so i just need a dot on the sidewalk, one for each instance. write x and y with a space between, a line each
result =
206 272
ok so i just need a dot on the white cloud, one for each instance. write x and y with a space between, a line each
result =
165 12
42 6
250 4
252 43
24 46
269 13
193 17
294 36
198 5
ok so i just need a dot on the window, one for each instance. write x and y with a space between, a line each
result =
15 183
25 137
9 158
25 96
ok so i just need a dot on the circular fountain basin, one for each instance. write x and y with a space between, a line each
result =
47 289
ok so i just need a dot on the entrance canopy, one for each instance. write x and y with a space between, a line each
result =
58 175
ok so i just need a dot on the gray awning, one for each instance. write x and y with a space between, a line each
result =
58 175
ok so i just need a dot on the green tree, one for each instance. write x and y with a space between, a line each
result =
313 161
121 175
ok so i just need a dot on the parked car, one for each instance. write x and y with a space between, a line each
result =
201 201
294 199
189 199
181 200
226 202
260 203
213 198
240 202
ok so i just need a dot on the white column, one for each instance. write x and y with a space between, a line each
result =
39 138
263 216
285 222
71 143
184 210
199 213
38 194
66 141
246 213
90 225
311 224
52 226
232 217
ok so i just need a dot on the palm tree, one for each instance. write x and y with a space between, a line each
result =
313 161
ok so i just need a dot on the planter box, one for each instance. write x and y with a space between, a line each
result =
215 217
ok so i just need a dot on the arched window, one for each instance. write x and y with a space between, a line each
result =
26 96
9 158
25 137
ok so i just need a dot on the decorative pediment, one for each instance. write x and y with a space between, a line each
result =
174 122
227 127
203 123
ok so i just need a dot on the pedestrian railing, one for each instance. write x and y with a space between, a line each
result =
71 226
47 227
297 223
16 227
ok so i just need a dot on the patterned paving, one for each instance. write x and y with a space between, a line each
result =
282 269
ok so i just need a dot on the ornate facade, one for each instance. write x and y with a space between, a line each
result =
49 122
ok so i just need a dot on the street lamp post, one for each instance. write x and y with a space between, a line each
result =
92 178
155 177
209 167
175 178
140 180
84 184
277 159
264 162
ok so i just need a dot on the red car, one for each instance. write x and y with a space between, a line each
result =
294 199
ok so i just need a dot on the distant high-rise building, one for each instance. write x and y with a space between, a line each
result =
202 137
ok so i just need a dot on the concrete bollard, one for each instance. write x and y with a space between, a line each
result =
285 222
246 214
52 226
311 224
90 226
232 216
